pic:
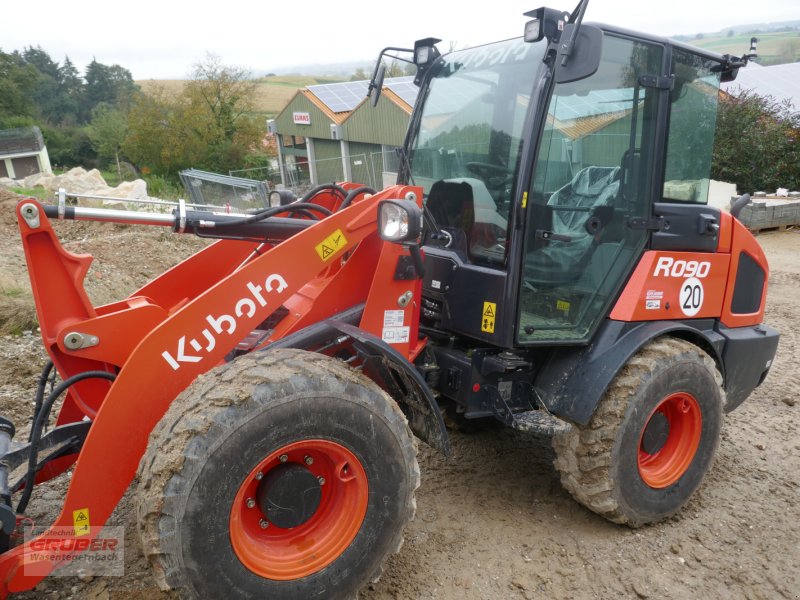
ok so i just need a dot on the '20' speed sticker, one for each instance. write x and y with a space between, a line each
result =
691 296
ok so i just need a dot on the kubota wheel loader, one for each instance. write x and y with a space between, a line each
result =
547 259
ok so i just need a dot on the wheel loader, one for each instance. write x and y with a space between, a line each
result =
547 259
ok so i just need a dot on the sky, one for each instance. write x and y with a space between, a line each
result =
162 40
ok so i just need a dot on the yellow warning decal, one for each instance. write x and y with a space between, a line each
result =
562 305
489 314
331 244
80 520
524 199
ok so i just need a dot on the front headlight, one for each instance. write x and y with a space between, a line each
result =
399 220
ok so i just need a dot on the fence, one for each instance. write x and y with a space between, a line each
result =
214 189
377 170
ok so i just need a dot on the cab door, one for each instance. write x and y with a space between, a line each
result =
588 204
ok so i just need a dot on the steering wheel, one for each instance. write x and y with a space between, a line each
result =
495 175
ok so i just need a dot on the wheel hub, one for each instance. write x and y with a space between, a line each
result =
656 433
669 441
289 495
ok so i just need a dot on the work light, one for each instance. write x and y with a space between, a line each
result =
399 220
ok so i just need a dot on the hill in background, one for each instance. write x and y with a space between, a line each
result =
272 92
778 43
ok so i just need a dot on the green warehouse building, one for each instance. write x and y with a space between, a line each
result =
331 132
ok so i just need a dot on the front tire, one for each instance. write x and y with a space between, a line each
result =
283 474
652 438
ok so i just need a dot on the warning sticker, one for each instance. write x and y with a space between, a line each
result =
331 244
396 335
562 305
489 315
80 521
393 318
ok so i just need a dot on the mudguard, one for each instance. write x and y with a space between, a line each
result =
387 367
573 380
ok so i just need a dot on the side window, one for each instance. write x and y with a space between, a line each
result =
693 118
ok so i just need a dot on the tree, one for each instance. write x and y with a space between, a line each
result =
226 92
108 130
398 68
757 143
70 89
359 75
208 126
17 81
112 85
151 141
41 60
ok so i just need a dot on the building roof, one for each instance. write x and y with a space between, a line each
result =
21 140
781 82
344 97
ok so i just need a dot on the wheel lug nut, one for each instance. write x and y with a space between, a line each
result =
309 460
283 458
263 523
321 480
250 503
259 476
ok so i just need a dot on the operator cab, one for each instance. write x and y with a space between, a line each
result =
540 180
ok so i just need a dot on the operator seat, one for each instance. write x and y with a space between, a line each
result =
453 208
571 207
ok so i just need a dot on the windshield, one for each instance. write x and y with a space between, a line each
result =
471 132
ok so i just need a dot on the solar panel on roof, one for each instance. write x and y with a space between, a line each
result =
340 97
345 96
782 82
403 87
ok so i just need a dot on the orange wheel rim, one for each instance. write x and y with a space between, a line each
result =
669 440
289 553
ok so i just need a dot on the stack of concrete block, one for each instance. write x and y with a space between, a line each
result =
767 213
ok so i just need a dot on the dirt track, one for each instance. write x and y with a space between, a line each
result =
493 521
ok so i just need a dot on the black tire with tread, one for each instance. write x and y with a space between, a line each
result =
598 462
288 389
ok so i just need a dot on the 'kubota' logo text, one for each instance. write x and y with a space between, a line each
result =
669 267
245 307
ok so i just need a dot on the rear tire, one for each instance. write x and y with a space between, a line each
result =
651 439
202 504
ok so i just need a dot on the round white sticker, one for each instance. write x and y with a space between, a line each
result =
691 296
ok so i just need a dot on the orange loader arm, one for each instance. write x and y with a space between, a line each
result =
182 324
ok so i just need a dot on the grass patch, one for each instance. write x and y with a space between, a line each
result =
40 193
17 314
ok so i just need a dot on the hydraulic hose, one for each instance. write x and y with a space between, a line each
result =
321 188
352 194
38 424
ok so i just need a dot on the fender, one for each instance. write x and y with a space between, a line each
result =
573 380
386 367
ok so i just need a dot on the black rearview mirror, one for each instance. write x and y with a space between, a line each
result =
376 85
584 59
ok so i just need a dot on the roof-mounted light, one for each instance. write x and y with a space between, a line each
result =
545 22
425 51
